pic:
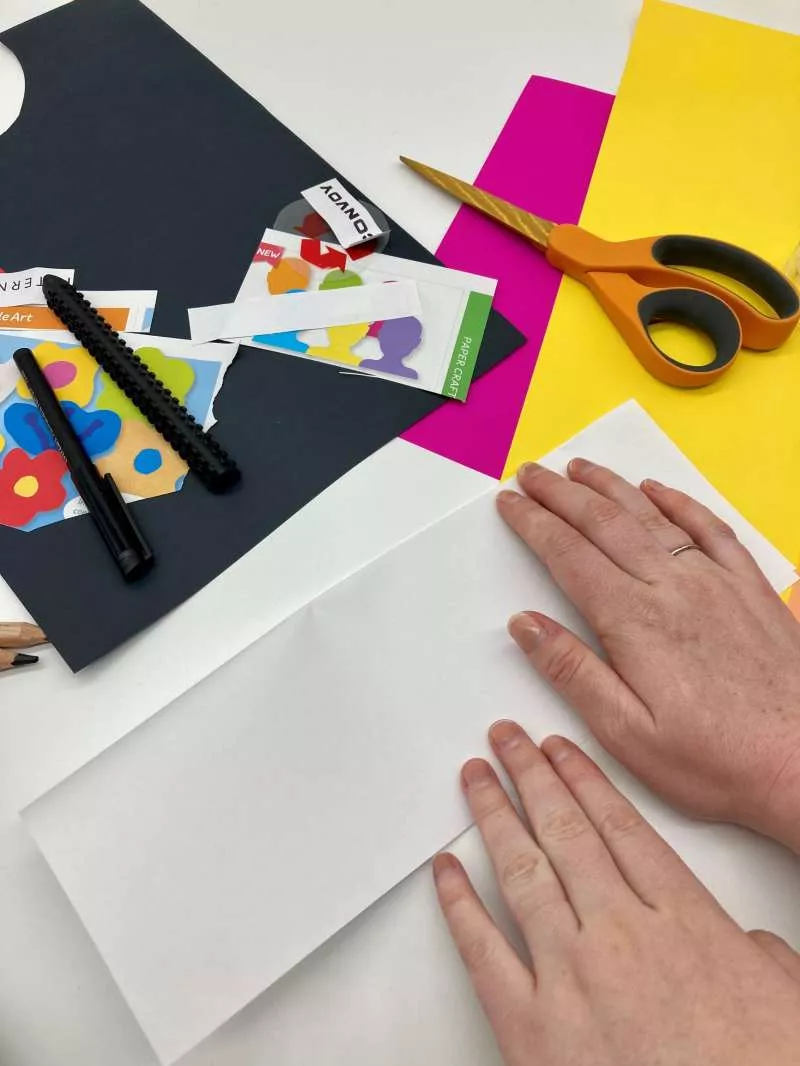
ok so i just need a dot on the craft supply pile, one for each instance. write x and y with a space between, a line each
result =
288 402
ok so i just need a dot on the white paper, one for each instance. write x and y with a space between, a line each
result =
350 221
24 287
221 842
9 377
304 310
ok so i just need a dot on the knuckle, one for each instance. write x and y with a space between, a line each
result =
564 824
721 530
520 872
563 544
477 952
761 936
603 512
765 939
653 521
563 664
618 821
489 803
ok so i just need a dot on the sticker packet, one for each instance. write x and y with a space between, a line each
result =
435 350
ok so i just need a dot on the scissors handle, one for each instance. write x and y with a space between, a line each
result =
637 284
633 308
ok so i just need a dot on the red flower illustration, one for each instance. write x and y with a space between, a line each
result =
30 486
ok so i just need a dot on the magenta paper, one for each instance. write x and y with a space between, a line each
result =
543 161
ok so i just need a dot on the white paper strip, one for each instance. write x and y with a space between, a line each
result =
347 217
229 836
304 310
24 287
9 377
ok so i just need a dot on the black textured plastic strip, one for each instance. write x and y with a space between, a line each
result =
204 456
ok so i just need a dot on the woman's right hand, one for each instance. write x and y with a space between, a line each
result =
699 695
632 963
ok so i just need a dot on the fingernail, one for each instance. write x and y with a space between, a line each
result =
445 866
528 470
505 735
580 466
507 496
653 486
557 749
475 773
526 630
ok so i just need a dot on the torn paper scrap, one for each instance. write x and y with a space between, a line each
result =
320 309
125 311
348 767
345 214
435 350
25 286
298 217
35 486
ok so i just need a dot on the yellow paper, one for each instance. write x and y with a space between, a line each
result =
702 139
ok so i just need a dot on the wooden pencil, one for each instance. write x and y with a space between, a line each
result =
20 635
9 659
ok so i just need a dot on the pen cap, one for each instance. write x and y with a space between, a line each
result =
131 552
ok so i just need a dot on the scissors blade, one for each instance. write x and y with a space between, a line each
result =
533 227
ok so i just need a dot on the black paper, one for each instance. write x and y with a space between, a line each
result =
140 163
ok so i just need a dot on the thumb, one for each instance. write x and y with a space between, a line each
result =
786 957
613 712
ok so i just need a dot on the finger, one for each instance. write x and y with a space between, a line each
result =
602 521
715 537
582 572
502 983
632 499
612 711
649 865
527 880
583 863
775 946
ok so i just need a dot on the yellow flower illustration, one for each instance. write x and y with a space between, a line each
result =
71 372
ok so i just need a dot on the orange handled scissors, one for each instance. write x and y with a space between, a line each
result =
639 283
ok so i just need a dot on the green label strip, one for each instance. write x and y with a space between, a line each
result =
467 346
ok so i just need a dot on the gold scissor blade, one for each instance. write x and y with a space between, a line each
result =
533 227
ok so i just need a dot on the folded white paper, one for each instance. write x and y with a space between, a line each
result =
226 838
305 310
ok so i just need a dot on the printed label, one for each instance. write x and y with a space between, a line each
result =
349 219
465 350
25 286
268 253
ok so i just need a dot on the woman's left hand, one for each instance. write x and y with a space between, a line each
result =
633 963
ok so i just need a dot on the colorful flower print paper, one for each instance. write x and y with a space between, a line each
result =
35 486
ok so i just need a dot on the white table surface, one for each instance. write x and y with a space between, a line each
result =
436 83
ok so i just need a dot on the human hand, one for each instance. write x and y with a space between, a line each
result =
633 961
700 693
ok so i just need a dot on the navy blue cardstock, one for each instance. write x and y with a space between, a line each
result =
137 160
